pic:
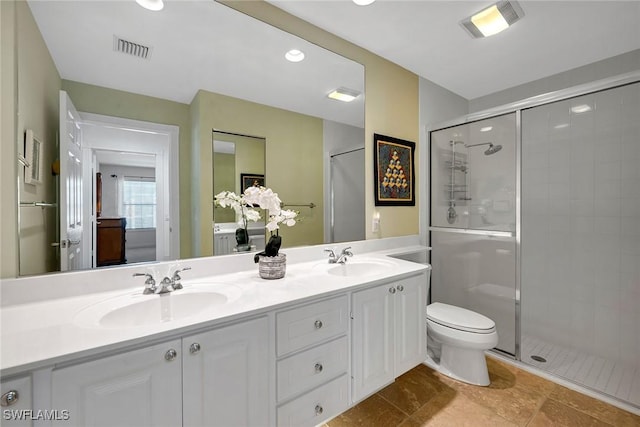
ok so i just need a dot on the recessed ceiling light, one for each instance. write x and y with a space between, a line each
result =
582 108
561 126
294 55
486 129
343 94
363 2
493 19
154 5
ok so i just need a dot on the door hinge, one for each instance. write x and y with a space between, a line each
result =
351 315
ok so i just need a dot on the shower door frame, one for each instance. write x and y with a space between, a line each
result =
517 107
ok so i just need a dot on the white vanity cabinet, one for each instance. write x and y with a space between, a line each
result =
312 348
226 376
224 242
215 378
388 333
137 388
15 401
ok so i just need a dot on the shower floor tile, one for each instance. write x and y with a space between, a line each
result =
605 376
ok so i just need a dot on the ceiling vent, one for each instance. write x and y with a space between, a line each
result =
131 48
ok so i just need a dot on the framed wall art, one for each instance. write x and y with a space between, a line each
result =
250 180
394 174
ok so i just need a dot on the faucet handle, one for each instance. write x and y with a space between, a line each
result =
150 283
176 278
347 251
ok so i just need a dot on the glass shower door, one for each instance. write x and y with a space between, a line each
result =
473 221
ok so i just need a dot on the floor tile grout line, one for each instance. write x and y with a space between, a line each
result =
397 407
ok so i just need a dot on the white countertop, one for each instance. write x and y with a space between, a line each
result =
45 332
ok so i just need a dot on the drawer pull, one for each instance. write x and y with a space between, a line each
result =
9 398
194 348
392 290
319 410
170 355
400 288
318 368
318 324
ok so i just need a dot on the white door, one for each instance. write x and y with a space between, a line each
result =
411 323
372 339
135 389
226 376
70 203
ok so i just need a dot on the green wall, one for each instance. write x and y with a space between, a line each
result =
293 160
224 172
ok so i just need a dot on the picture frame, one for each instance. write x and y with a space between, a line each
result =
394 172
250 180
33 171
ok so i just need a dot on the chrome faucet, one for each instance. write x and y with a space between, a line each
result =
166 285
342 258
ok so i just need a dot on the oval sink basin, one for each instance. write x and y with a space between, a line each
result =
143 310
360 268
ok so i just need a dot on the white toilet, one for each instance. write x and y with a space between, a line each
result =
456 341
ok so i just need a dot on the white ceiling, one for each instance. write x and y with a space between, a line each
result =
424 36
196 45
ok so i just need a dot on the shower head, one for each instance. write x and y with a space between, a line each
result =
493 149
489 151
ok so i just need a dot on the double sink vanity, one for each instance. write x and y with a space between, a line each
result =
228 349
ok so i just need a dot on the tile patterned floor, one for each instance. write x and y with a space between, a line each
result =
422 397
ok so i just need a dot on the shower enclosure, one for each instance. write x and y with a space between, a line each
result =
535 213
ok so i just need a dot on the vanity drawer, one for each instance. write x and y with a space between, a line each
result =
310 324
317 406
312 367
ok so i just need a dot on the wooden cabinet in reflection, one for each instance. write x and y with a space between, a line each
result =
110 241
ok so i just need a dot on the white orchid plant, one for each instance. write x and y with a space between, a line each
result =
245 207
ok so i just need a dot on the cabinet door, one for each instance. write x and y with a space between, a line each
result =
226 376
411 321
16 402
372 339
138 388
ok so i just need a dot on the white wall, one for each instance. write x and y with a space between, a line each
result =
339 138
110 188
437 105
610 67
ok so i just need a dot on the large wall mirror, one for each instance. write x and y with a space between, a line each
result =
155 97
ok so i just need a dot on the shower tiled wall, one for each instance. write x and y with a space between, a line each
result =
580 259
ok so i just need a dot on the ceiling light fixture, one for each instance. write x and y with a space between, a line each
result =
363 2
493 19
582 108
294 55
154 5
486 129
343 94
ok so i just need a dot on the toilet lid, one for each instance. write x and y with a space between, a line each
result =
459 318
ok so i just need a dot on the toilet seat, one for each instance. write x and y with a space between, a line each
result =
459 318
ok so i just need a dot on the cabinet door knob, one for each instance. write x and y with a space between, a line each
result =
194 348
318 324
9 398
170 355
392 290
319 410
400 288
318 368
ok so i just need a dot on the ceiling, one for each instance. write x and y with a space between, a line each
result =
195 45
424 36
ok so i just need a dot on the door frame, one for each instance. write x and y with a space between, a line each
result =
165 148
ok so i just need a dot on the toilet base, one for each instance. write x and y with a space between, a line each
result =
468 366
